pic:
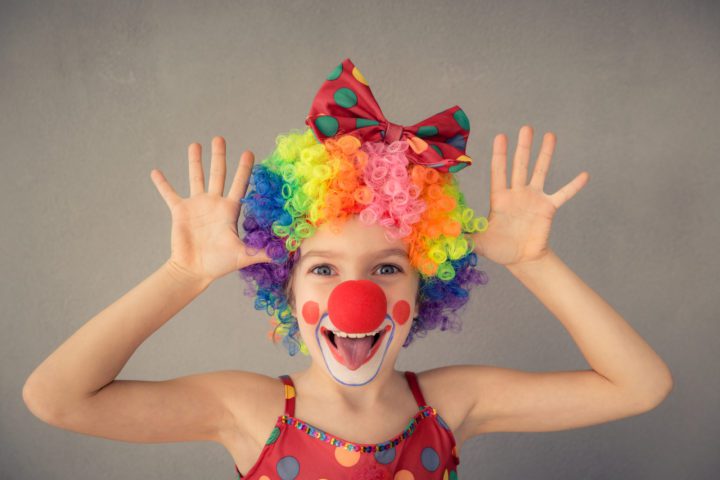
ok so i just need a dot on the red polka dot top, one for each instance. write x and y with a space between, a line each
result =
295 450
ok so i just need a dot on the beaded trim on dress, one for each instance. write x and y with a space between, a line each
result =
358 447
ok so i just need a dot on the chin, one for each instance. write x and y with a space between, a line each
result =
368 368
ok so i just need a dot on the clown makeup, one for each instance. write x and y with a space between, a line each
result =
354 293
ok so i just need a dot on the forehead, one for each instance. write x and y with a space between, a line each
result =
346 254
354 239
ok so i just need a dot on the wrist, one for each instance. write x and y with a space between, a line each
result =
184 276
531 265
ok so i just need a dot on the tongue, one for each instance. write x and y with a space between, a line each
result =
354 350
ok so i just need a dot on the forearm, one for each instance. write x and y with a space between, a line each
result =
94 355
610 345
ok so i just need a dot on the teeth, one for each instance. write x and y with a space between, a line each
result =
354 335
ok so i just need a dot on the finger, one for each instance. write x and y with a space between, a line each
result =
242 174
569 190
197 177
163 186
522 157
498 165
216 183
543 162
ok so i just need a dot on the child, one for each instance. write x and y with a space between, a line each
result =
358 241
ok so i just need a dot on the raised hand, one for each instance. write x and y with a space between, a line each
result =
520 216
205 242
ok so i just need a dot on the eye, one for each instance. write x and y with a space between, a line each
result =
325 266
398 269
324 269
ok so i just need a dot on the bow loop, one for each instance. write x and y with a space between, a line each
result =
345 104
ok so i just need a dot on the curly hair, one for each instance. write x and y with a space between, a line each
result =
304 183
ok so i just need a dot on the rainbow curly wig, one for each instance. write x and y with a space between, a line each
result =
305 182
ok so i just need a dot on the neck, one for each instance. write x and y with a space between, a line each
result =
380 390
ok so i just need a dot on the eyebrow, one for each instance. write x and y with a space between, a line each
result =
388 252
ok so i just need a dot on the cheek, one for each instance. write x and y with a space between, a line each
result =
311 312
401 312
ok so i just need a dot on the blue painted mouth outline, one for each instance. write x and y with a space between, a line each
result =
390 337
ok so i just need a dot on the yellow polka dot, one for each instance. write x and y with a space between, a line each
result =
289 391
464 158
404 475
264 477
445 474
359 76
346 458
417 144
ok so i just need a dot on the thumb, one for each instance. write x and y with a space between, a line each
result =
248 255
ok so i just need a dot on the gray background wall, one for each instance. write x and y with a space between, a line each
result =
96 94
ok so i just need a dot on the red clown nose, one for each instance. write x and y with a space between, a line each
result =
357 306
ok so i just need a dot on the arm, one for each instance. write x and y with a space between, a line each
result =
609 344
627 376
94 355
75 387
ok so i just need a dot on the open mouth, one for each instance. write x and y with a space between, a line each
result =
331 336
353 352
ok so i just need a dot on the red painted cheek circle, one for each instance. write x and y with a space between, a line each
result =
401 312
311 312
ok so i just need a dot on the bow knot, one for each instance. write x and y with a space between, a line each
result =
345 104
393 132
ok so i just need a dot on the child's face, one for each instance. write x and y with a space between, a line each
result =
346 283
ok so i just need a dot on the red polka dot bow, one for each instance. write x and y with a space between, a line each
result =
345 104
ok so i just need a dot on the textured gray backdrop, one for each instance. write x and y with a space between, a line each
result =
96 94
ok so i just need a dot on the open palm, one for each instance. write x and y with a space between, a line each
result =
520 216
204 236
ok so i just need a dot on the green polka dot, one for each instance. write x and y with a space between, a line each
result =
437 149
458 167
453 475
345 97
335 73
427 131
273 436
365 122
462 119
327 125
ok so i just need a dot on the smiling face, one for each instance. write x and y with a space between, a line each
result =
354 294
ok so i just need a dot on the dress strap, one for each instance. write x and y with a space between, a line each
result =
415 387
289 394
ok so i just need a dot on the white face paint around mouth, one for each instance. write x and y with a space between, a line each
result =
333 359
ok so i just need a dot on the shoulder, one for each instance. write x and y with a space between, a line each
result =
446 389
251 399
253 403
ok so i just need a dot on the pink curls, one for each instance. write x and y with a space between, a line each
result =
395 204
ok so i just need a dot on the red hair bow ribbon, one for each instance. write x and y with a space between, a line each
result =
344 104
